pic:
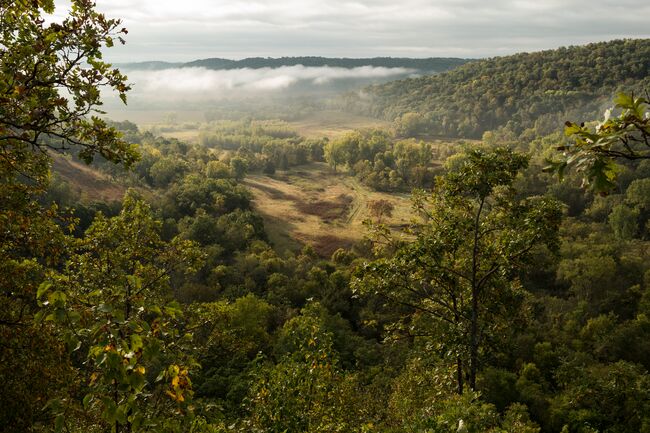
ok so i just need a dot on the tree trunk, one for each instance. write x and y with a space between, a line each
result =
473 355
459 372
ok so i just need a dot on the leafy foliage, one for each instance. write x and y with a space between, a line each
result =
47 92
169 311
119 312
458 275
626 136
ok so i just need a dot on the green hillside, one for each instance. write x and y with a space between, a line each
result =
522 91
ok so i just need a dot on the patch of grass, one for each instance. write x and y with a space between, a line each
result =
325 245
314 205
332 123
327 210
90 184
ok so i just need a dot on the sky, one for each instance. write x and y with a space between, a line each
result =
174 30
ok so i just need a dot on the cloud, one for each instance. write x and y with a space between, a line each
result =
178 31
200 84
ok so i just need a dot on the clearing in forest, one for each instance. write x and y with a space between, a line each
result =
332 124
312 204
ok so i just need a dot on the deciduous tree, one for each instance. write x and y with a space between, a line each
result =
458 276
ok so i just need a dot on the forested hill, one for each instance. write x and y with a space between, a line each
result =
522 91
434 64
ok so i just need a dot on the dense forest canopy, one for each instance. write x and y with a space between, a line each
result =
527 91
511 303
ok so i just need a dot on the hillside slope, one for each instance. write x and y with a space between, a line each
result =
89 183
522 91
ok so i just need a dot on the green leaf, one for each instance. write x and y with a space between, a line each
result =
59 423
134 281
136 381
173 309
571 129
88 398
623 100
105 308
42 289
136 342
161 375
120 414
110 409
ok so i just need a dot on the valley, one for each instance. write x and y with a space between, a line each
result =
324 244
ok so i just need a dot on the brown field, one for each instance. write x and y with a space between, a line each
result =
186 135
92 185
313 205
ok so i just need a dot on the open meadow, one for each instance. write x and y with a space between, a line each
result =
314 205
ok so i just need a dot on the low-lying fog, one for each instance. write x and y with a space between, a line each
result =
197 89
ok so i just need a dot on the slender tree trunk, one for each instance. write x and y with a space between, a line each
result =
473 354
459 372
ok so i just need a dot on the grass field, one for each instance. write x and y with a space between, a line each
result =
334 123
91 184
313 205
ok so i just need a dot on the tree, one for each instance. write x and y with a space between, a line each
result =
409 124
381 208
458 277
622 137
623 221
304 390
238 166
50 76
50 81
114 305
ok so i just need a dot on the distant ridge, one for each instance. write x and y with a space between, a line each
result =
432 64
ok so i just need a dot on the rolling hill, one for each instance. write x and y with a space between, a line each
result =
529 90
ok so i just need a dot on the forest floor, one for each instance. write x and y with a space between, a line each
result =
312 204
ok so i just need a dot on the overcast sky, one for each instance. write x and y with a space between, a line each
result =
181 30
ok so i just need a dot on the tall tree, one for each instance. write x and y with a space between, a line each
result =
458 275
50 80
